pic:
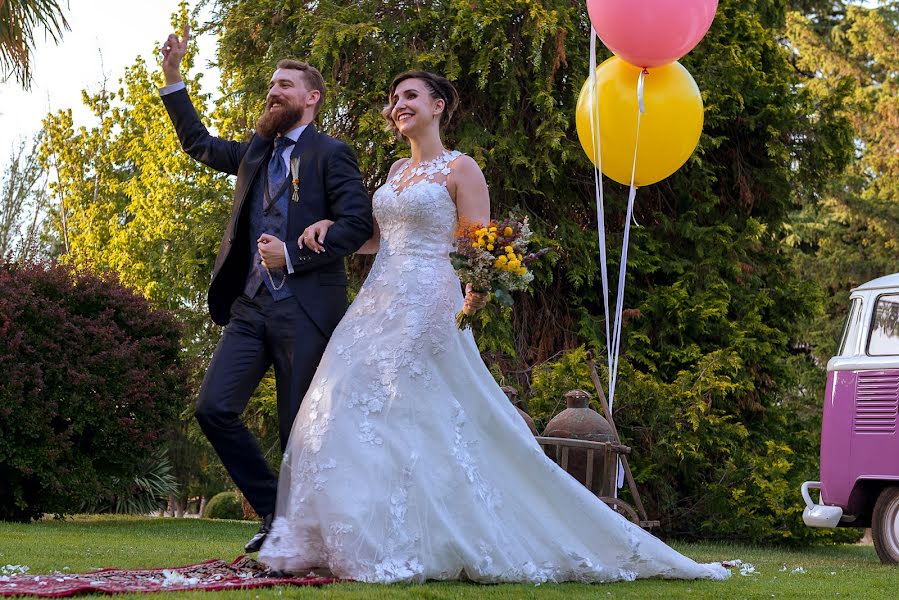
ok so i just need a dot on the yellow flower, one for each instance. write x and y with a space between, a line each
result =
492 229
514 264
490 247
491 237
521 271
510 250
475 244
508 231
501 261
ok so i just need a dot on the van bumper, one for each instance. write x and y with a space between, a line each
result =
819 515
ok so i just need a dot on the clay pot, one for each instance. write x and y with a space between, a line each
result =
580 422
512 395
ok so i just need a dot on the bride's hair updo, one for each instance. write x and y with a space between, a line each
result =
439 88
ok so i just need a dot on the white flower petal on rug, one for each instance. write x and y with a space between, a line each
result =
10 570
171 578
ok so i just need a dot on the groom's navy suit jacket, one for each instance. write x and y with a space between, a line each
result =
330 188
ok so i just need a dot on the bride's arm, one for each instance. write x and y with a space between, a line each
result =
467 186
374 244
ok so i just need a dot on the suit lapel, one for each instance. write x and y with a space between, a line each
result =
305 144
256 155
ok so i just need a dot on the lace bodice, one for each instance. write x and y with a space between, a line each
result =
415 212
412 289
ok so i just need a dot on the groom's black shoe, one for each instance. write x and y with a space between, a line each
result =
272 574
255 542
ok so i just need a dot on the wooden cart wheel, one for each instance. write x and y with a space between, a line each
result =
622 508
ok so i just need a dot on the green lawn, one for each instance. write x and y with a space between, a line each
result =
92 542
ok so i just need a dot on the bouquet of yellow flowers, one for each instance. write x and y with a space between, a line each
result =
494 258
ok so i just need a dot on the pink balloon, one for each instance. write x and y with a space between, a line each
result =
651 33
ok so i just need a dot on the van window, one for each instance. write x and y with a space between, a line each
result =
884 338
850 329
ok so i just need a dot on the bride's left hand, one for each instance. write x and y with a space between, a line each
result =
474 301
313 236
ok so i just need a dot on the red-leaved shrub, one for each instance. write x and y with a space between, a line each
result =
90 376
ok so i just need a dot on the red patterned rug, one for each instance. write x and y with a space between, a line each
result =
213 575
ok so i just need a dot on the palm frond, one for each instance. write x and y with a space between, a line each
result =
140 495
20 22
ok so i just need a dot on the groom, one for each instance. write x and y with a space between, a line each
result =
279 303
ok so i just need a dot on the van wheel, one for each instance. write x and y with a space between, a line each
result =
885 526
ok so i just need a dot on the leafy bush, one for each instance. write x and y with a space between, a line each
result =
225 505
698 469
552 379
141 494
91 375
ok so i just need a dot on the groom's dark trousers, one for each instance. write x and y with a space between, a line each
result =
266 324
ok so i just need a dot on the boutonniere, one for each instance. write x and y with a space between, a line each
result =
295 176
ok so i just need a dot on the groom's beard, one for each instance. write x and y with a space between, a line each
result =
282 120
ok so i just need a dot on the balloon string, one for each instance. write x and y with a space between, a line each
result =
622 268
640 82
598 190
632 194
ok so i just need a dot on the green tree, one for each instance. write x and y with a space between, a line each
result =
126 200
848 235
20 21
713 304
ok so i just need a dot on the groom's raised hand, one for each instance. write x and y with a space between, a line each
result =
173 51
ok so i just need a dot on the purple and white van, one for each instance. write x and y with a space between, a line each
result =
859 443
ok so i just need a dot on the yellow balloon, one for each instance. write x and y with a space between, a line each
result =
669 129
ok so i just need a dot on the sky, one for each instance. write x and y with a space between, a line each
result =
120 31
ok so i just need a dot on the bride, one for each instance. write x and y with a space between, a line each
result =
406 461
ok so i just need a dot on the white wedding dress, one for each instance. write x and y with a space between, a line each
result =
407 462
